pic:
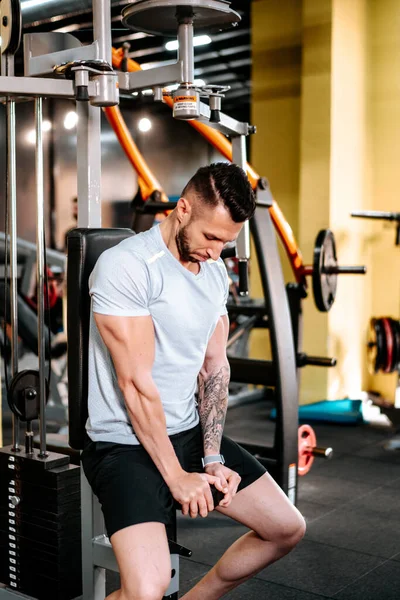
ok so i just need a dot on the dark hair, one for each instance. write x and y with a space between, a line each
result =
224 183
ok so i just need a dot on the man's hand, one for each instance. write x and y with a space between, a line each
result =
192 491
229 479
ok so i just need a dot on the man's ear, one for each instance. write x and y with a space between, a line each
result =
184 209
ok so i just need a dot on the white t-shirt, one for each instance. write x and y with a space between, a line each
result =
139 277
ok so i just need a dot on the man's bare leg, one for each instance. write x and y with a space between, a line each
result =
144 562
277 526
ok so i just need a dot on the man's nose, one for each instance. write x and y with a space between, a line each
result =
214 252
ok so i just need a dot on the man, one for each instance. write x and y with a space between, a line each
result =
158 394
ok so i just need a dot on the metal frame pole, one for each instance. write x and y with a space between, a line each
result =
40 242
283 350
239 157
8 64
89 130
89 165
186 51
102 28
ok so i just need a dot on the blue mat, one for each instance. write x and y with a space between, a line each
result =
331 411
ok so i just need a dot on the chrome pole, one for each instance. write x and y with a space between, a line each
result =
186 51
40 271
102 28
12 230
243 241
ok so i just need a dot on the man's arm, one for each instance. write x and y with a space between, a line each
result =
213 388
130 341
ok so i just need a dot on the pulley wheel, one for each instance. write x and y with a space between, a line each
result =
161 17
324 283
307 440
24 395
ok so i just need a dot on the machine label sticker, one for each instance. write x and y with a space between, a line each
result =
185 103
292 476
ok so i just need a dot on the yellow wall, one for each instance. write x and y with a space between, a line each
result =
276 41
333 120
384 103
349 190
313 205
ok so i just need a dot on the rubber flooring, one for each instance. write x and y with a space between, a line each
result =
351 550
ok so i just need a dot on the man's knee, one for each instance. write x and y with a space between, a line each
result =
292 533
286 533
146 590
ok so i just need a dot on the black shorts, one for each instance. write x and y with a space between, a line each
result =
130 488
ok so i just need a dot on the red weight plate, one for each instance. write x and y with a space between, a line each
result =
307 440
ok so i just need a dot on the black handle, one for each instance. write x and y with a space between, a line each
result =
344 270
376 214
152 208
228 252
243 278
303 360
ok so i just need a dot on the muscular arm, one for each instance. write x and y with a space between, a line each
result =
213 388
130 341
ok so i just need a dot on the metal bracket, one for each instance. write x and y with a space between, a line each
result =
159 76
39 87
43 51
227 125
264 196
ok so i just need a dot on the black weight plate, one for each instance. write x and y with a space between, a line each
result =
381 340
26 469
395 348
48 537
389 342
396 334
23 550
49 520
376 346
372 347
324 284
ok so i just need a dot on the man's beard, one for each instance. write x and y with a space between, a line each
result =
182 244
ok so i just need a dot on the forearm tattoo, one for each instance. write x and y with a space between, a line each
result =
212 406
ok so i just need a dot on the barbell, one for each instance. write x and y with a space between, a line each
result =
325 270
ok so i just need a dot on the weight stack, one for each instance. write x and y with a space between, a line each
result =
40 525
